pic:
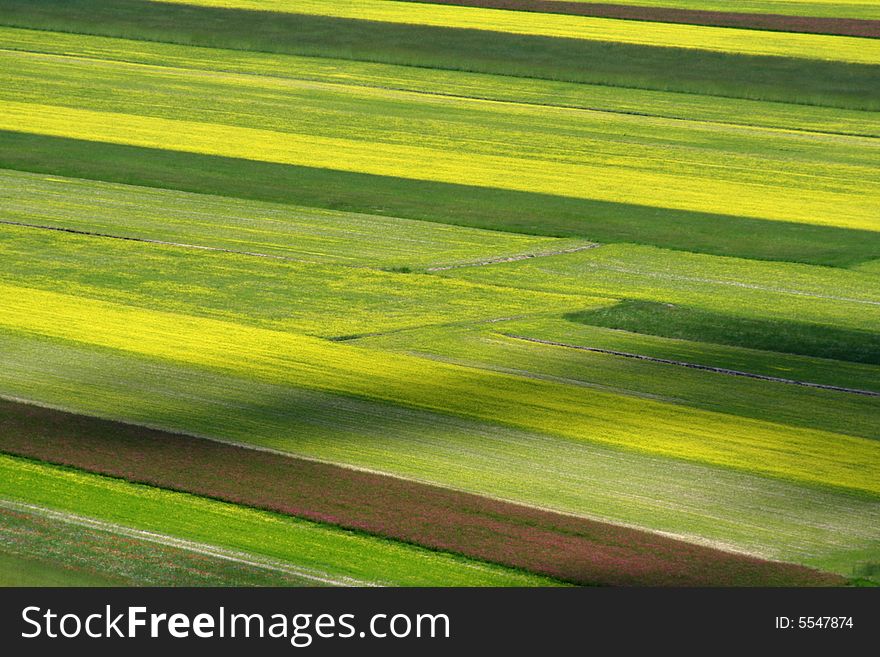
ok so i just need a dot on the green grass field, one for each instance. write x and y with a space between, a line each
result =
625 270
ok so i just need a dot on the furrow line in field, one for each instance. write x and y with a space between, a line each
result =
695 366
516 258
171 541
147 240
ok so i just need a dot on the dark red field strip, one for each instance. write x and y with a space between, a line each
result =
775 22
565 547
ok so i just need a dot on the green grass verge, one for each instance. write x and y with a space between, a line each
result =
671 321
620 64
42 548
336 555
537 214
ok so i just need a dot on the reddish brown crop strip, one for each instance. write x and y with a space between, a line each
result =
774 22
569 548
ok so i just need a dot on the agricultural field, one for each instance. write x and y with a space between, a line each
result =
496 293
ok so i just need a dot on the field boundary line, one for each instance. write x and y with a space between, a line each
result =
516 258
147 240
166 540
695 366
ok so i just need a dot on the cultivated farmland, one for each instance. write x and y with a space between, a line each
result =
459 293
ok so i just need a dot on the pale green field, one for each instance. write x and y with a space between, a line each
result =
691 107
338 557
576 413
747 42
39 547
284 231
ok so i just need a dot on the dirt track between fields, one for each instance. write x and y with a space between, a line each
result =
773 22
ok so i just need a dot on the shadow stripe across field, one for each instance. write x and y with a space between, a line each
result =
760 77
457 204
565 547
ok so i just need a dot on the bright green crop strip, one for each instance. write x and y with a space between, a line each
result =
833 194
333 553
747 42
457 83
768 363
56 549
738 287
809 456
775 519
868 9
305 297
488 347
305 234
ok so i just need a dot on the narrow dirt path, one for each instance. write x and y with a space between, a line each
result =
695 366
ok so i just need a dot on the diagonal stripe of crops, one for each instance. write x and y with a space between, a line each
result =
575 27
809 456
509 254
